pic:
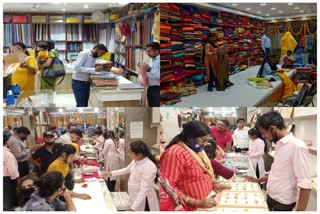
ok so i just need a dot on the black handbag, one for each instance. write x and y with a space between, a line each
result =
56 70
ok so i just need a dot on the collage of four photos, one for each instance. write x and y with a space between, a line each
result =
155 106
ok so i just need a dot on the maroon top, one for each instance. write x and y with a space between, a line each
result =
221 170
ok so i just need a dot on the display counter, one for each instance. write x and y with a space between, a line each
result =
97 189
117 97
240 94
243 196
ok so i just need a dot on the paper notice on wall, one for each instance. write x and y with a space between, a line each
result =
136 130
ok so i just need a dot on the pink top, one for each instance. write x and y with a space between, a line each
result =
222 139
290 170
10 165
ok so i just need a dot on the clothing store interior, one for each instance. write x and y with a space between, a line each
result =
261 52
81 55
238 159
81 159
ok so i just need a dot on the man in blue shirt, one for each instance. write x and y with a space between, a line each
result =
266 43
83 67
153 74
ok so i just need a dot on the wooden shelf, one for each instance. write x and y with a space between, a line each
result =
141 13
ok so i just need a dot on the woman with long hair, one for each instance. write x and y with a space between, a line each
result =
143 176
185 165
111 158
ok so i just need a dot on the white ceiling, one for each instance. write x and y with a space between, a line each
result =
58 7
273 10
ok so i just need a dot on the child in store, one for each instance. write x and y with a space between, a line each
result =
143 176
43 53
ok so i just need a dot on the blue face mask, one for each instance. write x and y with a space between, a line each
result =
196 147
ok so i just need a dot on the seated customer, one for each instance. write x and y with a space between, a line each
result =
28 185
268 69
51 186
218 168
288 60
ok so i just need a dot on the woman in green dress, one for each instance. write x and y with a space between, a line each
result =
49 83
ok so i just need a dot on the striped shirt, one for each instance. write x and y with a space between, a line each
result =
184 173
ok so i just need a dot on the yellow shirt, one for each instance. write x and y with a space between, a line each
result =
60 166
23 77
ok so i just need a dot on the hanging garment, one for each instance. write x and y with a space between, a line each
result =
211 60
222 74
289 86
287 43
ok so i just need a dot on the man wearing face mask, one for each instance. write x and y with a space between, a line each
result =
18 147
83 67
46 154
290 170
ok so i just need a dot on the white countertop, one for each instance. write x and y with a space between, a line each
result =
241 94
100 195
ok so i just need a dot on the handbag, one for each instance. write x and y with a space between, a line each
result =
55 70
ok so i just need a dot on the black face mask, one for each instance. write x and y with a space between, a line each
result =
95 55
49 143
23 138
26 193
274 136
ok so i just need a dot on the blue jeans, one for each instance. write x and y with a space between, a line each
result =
81 91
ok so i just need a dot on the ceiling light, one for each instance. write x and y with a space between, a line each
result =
248 8
80 110
86 6
296 8
290 3
280 11
263 4
273 8
60 110
234 5
96 110
301 11
63 9
259 12
267 14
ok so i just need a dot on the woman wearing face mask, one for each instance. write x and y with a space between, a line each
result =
111 158
28 185
256 151
187 167
61 164
143 175
51 186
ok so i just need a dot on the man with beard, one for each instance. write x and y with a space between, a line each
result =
83 67
290 170
45 154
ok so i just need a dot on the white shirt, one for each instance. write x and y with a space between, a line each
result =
84 66
265 42
241 138
141 184
154 74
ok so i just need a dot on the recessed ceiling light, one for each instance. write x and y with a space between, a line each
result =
263 4
248 8
280 11
234 5
290 3
258 11
273 8
63 9
86 6
301 11
267 14
296 8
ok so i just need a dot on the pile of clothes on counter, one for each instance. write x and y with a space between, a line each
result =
104 82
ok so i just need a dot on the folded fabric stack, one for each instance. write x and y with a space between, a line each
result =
105 82
165 32
166 51
166 72
169 98
196 18
176 32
